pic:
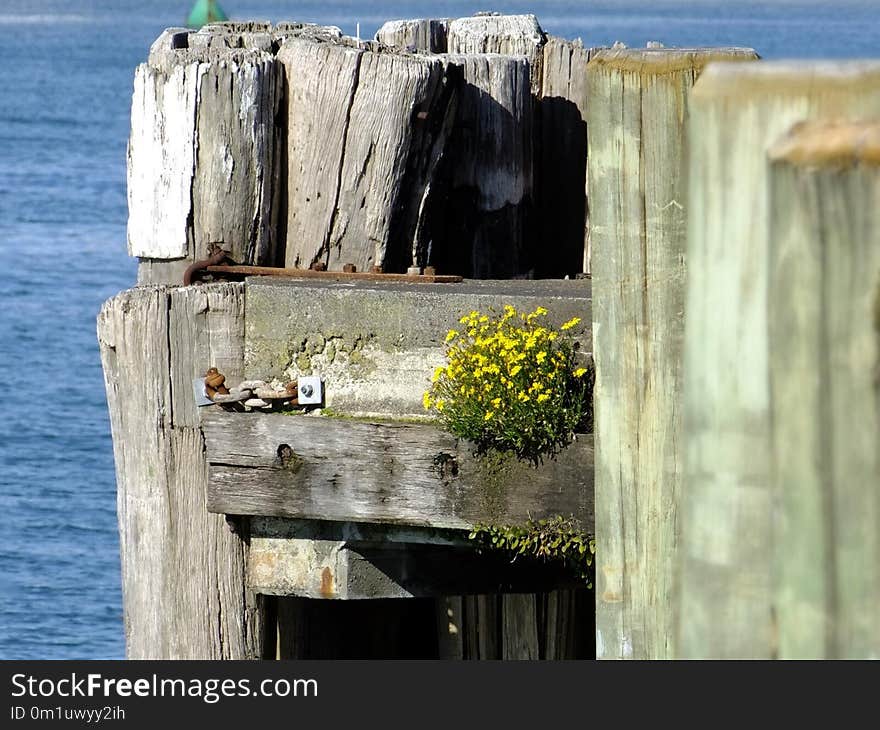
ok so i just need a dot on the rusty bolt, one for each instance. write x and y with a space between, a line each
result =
349 268
319 266
430 271
376 270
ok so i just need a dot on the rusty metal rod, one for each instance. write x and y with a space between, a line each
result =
333 275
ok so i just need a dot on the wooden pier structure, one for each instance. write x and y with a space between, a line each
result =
711 218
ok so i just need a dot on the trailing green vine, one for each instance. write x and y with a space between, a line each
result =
555 539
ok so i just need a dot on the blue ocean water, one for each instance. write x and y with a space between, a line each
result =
66 70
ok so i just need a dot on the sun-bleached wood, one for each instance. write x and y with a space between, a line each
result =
737 111
358 122
507 35
202 153
637 111
824 360
183 571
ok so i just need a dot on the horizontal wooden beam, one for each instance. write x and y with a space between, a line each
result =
311 467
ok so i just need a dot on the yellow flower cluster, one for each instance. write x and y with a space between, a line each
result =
509 379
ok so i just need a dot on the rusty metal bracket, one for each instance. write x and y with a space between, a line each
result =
216 256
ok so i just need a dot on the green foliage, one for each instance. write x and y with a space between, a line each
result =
512 384
556 539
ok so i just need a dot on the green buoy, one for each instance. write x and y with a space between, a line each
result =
205 11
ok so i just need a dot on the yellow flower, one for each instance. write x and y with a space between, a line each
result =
437 373
426 400
543 397
571 323
540 311
488 416
496 402
580 372
439 404
541 356
451 335
514 370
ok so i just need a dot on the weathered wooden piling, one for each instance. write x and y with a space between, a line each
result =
824 360
561 161
482 222
357 122
507 35
637 112
293 143
183 571
202 156
737 111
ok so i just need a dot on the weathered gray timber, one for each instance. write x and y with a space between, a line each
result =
507 35
201 158
357 122
824 358
636 116
376 345
737 111
427 34
394 473
153 342
213 129
562 237
479 225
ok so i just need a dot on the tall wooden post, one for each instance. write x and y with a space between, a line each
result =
183 571
362 128
824 357
202 156
637 111
561 161
480 225
737 112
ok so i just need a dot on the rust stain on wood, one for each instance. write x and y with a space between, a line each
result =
328 589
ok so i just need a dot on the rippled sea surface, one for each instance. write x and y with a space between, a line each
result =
66 69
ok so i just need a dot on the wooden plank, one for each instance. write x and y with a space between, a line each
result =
478 221
236 168
161 160
561 161
824 351
202 154
481 627
519 627
387 473
636 115
736 112
183 571
450 624
358 122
